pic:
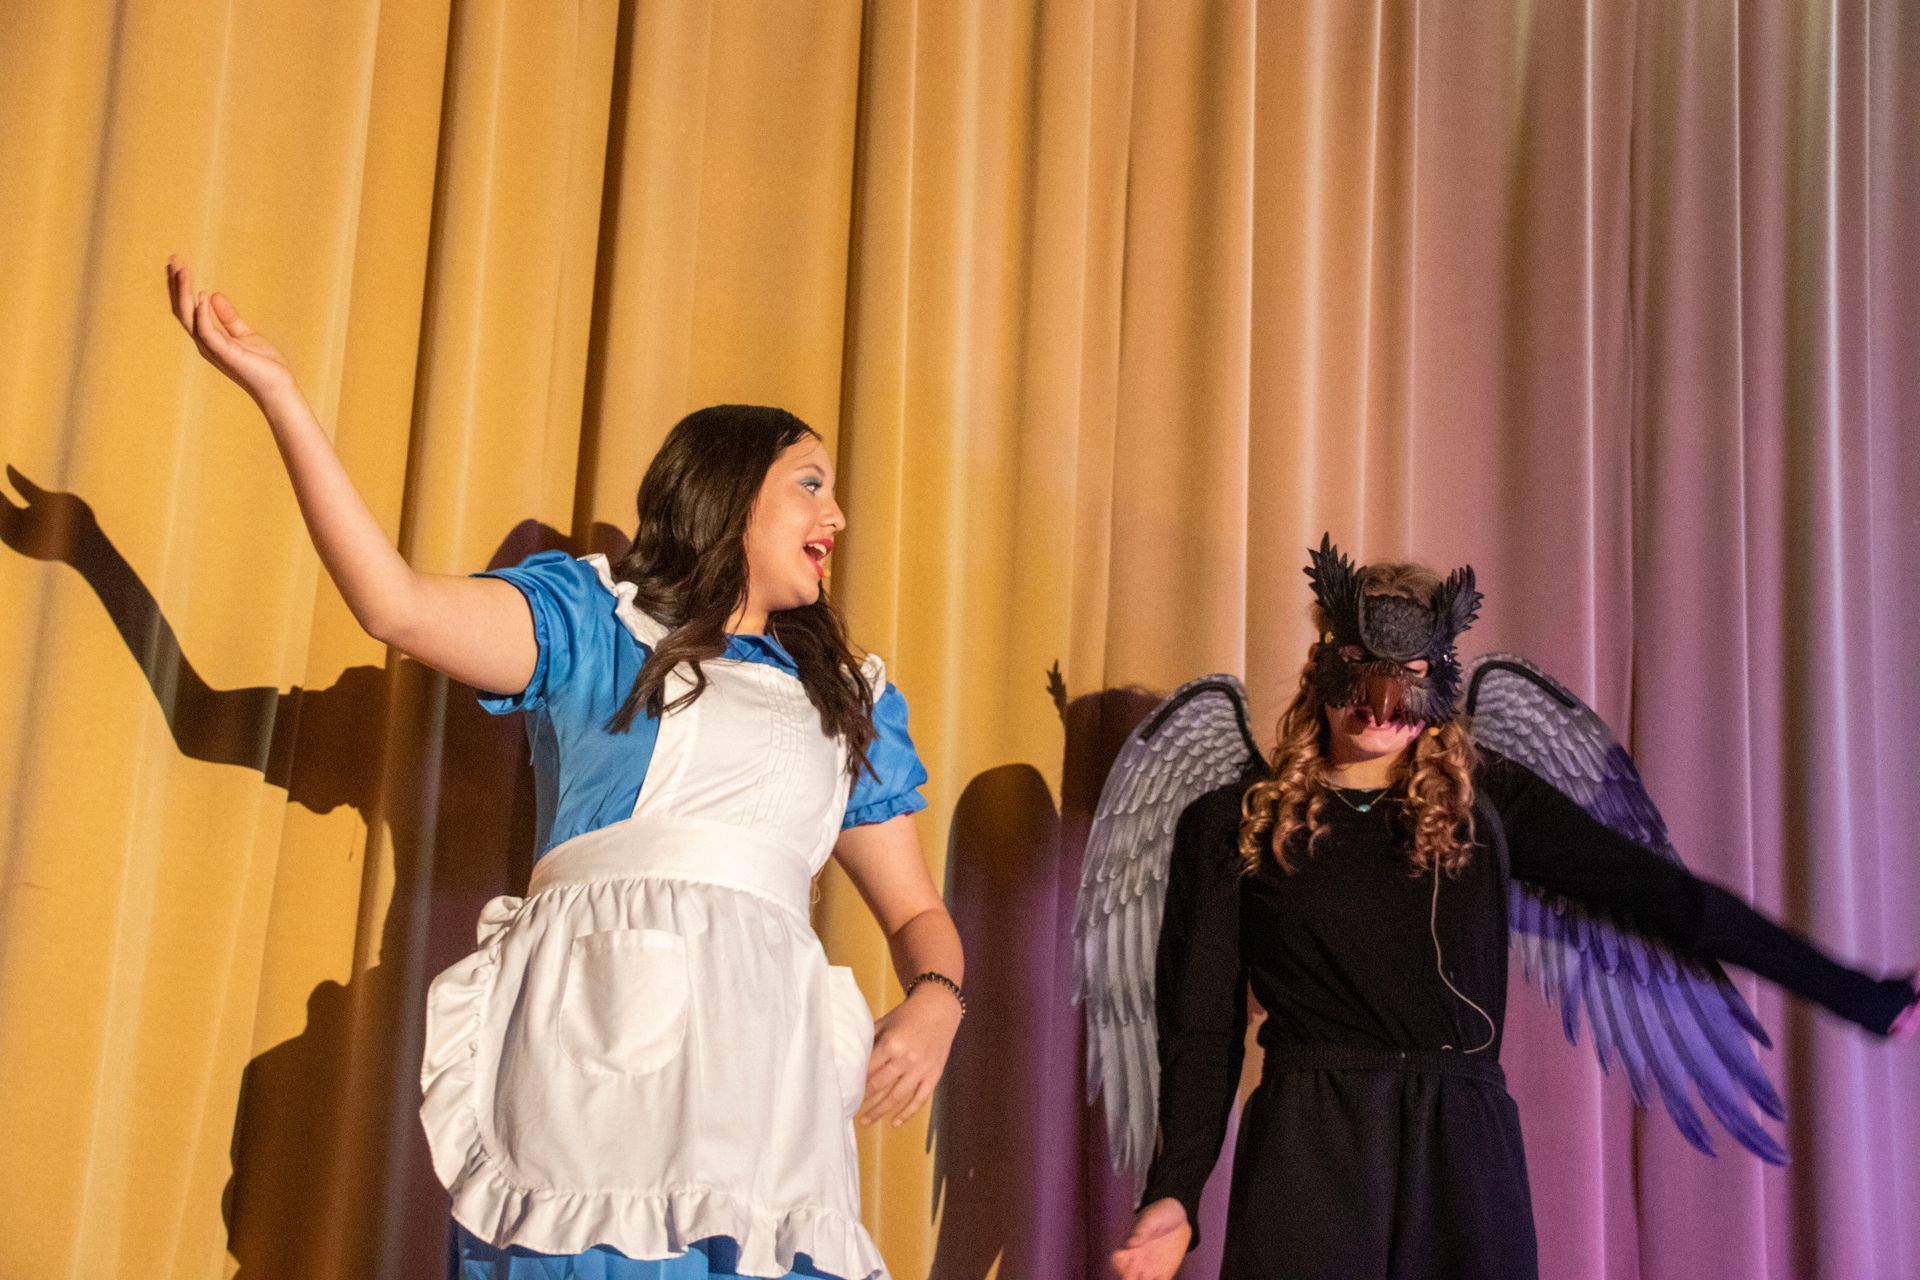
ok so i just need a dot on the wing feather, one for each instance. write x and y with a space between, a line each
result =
1195 741
1675 1022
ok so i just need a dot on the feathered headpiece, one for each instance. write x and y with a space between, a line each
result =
1372 637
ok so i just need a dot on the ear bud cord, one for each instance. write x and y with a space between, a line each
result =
1440 966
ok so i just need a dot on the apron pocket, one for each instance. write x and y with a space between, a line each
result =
624 1011
852 1037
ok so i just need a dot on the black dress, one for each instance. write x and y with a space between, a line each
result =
1381 1143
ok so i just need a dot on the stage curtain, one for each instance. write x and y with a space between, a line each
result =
1107 310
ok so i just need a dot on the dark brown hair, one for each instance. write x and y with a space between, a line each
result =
688 565
1437 771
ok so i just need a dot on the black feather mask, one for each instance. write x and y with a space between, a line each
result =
1371 638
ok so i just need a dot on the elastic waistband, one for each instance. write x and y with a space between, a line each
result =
1329 1057
702 852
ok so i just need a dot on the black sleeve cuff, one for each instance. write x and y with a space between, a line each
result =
1890 999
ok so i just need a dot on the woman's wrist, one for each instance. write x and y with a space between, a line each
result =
283 403
1149 1205
935 985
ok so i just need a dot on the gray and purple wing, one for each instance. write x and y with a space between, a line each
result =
1195 741
1674 1021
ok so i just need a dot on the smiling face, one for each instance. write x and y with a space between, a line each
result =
1358 732
790 535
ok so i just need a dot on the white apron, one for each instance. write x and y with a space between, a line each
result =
650 1048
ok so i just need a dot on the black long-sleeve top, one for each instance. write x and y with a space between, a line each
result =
1339 951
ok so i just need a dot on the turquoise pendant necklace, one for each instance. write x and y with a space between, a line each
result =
1379 794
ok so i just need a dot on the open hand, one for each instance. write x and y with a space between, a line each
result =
50 526
910 1046
226 340
1158 1244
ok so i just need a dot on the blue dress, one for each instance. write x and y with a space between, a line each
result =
588 778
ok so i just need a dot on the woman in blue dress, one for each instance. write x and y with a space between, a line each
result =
647 1070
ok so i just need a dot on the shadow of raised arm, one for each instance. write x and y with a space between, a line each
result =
222 726
331 733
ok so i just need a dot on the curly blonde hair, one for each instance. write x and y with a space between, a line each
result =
1437 772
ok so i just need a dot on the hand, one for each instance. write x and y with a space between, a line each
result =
227 342
1158 1244
51 526
910 1046
1908 1023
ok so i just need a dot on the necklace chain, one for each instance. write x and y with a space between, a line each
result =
1380 793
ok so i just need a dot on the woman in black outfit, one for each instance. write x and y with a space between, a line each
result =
1381 1142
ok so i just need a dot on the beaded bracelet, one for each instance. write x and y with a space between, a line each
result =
940 980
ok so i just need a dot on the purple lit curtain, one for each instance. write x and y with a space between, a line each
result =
1621 303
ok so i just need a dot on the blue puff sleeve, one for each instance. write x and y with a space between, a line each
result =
893 786
570 610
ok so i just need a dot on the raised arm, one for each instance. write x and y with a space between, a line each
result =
476 630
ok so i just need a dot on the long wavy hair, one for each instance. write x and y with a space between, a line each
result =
1284 814
688 565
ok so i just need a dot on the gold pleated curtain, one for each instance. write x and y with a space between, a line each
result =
1108 309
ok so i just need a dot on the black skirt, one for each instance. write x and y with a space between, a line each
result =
1367 1164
